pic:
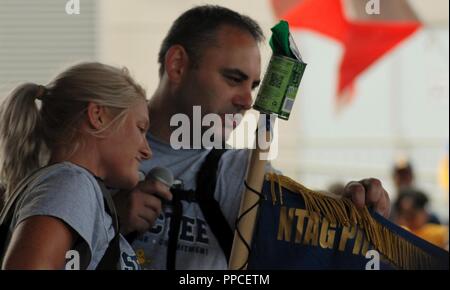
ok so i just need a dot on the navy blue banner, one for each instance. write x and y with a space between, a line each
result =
288 236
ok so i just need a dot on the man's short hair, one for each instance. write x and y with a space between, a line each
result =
196 29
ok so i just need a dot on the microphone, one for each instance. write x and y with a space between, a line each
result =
161 174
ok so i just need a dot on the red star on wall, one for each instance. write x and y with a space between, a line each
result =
364 40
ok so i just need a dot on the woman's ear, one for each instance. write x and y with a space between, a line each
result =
98 116
176 63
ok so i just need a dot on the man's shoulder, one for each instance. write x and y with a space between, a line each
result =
234 162
236 153
239 158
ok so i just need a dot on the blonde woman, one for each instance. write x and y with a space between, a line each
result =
88 128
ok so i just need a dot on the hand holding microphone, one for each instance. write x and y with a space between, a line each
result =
160 174
139 209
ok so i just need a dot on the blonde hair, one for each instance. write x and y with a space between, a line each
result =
29 131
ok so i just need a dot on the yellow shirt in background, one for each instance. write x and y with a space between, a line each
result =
433 233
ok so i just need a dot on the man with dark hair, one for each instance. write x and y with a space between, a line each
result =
196 30
210 58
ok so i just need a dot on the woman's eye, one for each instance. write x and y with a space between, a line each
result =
141 129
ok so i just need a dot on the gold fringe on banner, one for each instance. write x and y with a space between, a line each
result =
391 246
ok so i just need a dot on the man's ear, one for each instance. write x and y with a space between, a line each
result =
98 116
176 62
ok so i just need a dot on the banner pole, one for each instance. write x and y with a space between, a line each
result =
250 201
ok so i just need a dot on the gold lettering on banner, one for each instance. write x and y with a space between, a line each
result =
365 247
301 215
327 234
285 225
358 242
348 232
312 230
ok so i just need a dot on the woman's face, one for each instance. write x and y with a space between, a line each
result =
125 147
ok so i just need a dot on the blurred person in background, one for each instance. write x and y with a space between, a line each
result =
403 174
412 214
404 180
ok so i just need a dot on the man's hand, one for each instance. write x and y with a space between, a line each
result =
369 192
139 209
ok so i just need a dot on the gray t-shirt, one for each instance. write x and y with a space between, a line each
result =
197 246
73 195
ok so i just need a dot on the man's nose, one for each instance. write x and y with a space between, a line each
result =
244 100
